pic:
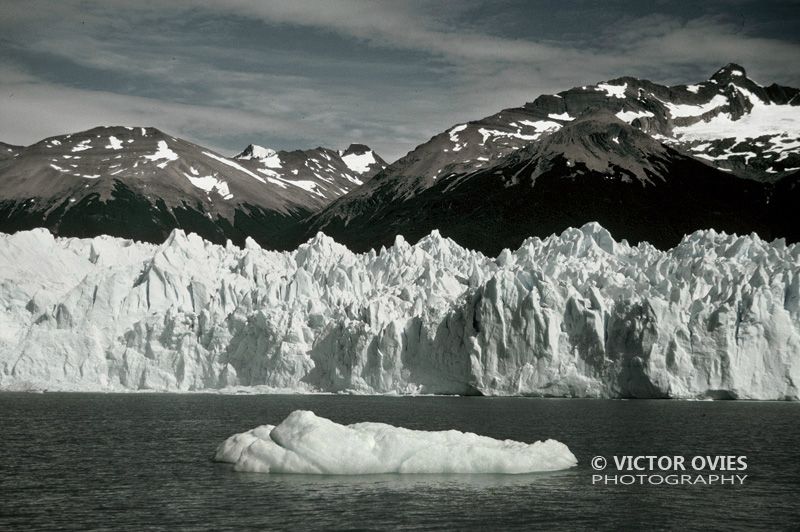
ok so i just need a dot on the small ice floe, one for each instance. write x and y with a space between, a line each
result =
307 444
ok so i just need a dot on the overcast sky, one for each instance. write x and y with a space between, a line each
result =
303 73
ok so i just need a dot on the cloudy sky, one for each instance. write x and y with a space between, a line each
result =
303 73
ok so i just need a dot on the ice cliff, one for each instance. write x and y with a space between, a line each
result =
304 443
571 315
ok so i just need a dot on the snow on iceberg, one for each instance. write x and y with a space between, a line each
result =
575 314
307 444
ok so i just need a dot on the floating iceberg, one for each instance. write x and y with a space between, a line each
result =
307 444
576 314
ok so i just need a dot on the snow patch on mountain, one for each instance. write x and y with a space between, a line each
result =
309 186
453 133
268 157
684 110
615 91
162 152
233 164
114 143
540 126
779 122
487 134
630 116
81 146
258 152
359 162
210 183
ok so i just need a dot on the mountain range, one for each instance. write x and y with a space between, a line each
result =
141 183
649 162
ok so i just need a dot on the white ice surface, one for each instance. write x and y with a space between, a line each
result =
571 315
307 444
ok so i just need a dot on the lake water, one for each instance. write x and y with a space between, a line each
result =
94 461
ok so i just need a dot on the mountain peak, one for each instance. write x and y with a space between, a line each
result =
729 72
601 141
362 160
356 149
254 151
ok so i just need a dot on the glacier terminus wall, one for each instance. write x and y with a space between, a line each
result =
576 315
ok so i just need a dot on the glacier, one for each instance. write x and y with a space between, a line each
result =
572 315
304 443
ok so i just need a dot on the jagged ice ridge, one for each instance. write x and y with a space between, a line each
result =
571 315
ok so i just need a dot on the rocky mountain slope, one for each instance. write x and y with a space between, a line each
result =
324 173
141 183
8 151
650 162
578 314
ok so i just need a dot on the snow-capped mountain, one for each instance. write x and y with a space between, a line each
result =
141 183
650 162
729 120
324 173
578 314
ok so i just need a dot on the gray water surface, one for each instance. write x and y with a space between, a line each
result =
135 462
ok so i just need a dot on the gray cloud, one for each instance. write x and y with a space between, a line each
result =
324 72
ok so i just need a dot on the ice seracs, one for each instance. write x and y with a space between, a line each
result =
307 444
577 314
